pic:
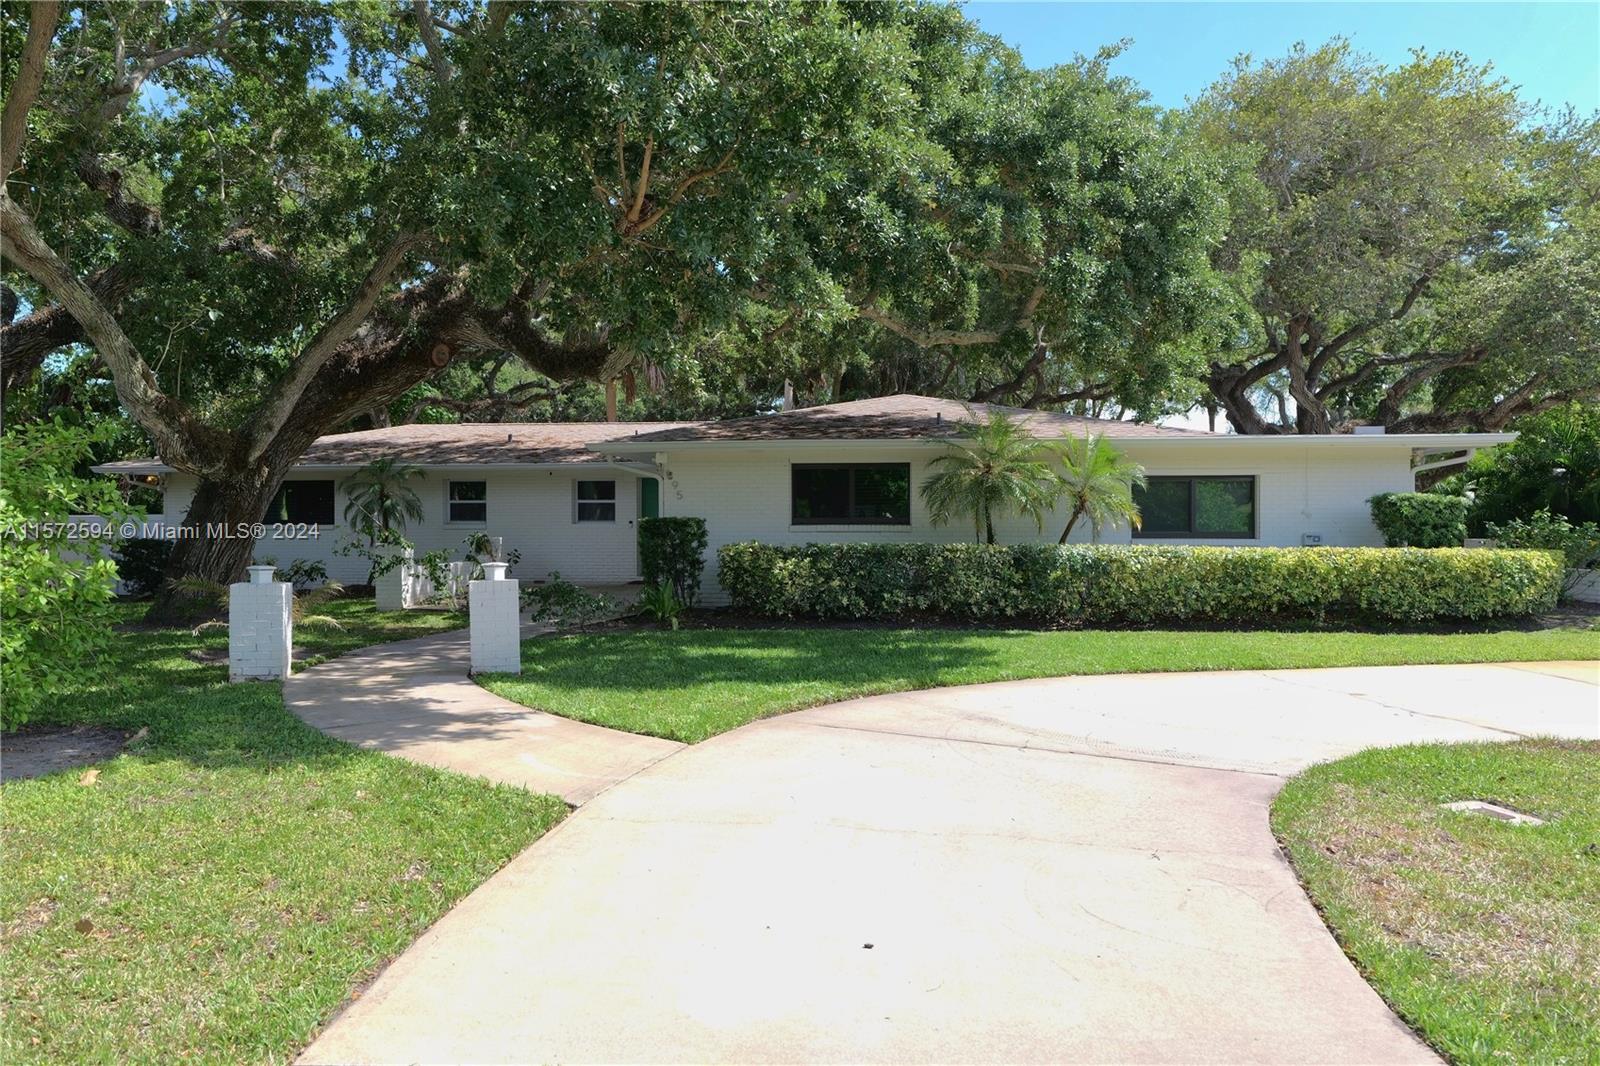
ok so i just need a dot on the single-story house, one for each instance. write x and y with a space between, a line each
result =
568 496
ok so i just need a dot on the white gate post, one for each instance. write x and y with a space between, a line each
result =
494 608
260 626
394 588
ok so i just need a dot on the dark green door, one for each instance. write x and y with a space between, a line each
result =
649 507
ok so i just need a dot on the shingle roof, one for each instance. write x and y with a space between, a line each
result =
902 417
468 443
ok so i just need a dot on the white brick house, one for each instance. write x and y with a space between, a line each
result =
568 496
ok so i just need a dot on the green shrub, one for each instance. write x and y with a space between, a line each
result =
563 604
142 564
1420 519
1135 585
672 551
55 592
1579 545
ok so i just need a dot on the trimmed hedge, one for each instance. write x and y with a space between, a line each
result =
1135 585
1420 519
672 551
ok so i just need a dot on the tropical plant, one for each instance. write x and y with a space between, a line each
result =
1553 464
995 467
203 592
1098 481
379 497
661 604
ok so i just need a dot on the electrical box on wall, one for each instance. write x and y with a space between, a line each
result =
1310 540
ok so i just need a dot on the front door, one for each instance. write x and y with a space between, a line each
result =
649 507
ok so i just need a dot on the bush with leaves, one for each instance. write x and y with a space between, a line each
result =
55 594
672 551
1579 545
1420 519
1118 584
142 564
563 604
1553 465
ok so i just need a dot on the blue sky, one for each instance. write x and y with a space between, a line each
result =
1552 50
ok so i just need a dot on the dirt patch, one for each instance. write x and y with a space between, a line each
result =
36 752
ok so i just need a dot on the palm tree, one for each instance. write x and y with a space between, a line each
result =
1099 481
999 466
379 498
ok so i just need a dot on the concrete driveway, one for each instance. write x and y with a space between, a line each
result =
1073 870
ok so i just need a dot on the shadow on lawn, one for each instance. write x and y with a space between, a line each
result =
686 659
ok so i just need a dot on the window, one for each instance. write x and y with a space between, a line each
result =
1198 507
468 501
310 502
877 494
597 501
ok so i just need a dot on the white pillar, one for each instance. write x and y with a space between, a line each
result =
260 626
393 592
493 608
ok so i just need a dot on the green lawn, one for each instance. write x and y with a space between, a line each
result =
1484 936
695 683
222 887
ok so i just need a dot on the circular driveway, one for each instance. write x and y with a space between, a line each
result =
1076 869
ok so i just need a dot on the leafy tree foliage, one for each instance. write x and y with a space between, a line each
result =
322 206
55 593
1048 245
1414 249
1554 465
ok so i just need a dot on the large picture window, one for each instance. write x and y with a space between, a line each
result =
309 502
876 494
597 501
1216 507
468 502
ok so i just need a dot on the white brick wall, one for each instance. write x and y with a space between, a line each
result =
531 510
1299 490
495 635
260 630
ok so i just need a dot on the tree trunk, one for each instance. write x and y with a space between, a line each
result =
1077 512
216 544
988 526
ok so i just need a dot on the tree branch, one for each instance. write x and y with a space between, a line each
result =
335 332
24 90
431 43
171 423
645 225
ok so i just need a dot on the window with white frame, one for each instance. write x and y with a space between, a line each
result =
596 501
468 502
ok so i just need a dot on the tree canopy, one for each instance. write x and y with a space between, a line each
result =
1416 248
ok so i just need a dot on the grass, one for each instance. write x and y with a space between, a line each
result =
1484 936
222 887
695 683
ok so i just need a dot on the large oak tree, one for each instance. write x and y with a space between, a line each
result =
1415 247
266 220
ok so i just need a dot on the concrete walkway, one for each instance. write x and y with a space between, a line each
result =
1070 870
413 698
